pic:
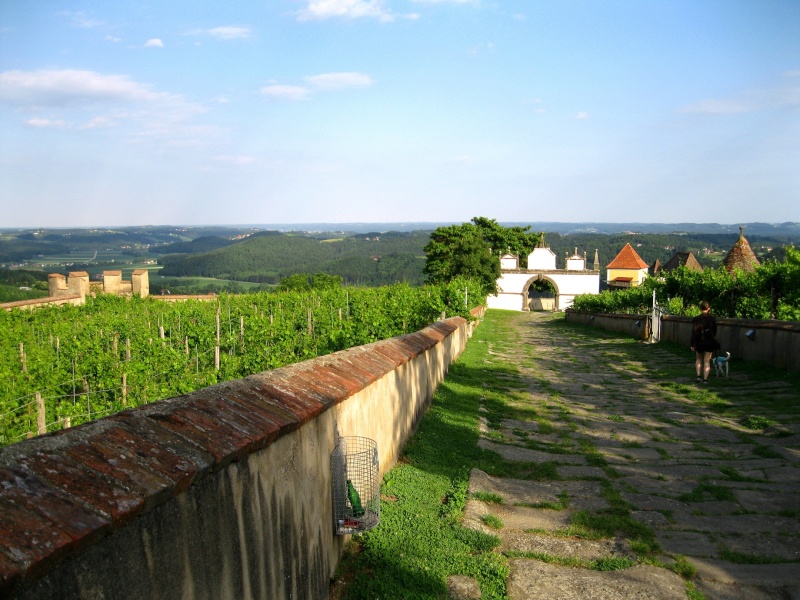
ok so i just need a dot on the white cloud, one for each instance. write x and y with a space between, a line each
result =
325 82
338 81
581 115
43 123
112 38
154 43
348 9
226 32
102 101
285 92
71 87
231 32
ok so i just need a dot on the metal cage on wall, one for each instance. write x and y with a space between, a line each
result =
356 487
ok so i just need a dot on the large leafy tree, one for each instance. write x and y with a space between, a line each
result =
472 250
513 240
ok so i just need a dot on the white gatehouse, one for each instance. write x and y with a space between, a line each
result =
514 283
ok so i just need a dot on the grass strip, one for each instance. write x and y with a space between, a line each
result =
420 541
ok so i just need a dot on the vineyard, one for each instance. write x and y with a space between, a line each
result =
62 366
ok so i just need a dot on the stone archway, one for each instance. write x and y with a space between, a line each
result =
540 303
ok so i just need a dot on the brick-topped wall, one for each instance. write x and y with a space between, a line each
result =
221 493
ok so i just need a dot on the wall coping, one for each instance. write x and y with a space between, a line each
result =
64 491
39 301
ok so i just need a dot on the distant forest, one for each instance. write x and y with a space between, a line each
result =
368 258
365 259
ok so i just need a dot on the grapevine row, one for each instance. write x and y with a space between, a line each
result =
115 353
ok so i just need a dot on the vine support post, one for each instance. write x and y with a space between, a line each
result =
127 349
216 348
74 397
22 357
124 389
41 417
88 400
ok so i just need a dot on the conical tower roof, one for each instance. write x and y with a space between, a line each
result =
685 259
741 256
655 268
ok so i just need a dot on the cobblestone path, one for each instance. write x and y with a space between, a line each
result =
643 484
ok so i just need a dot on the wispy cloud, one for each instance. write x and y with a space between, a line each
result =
338 81
581 115
717 107
225 32
236 160
154 43
79 19
285 92
99 101
347 9
98 123
43 123
325 82
785 93
71 87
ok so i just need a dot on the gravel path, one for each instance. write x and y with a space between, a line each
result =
717 502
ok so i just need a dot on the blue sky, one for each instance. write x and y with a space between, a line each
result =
293 111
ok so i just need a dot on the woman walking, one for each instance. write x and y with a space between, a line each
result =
704 332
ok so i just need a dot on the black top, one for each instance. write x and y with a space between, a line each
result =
704 330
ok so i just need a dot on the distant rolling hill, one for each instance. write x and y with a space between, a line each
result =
364 259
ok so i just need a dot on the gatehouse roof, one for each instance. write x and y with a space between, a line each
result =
627 258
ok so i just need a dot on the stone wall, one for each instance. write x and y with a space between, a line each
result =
37 302
637 326
774 342
221 493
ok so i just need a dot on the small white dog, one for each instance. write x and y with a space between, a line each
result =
721 364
